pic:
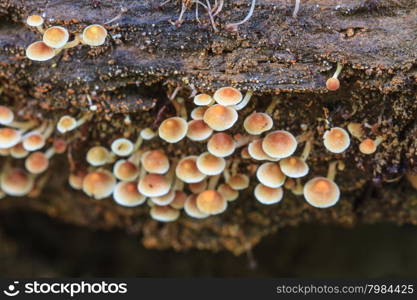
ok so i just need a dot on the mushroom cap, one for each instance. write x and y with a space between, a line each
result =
16 182
125 170
56 37
155 161
36 163
336 140
122 147
256 151
238 182
99 184
245 153
227 192
191 208
39 51
94 35
33 142
355 129
179 200
211 202
367 146
97 156
203 99
75 180
165 199
221 145
279 144
187 170
66 123
173 130
332 84
6 115
321 192
154 185
198 130
34 20
5 151
257 123
294 167
126 194
59 145
164 213
267 195
210 165
270 174
147 134
9 137
197 187
227 96
17 151
198 112
220 117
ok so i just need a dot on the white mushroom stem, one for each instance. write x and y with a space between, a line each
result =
23 125
37 130
234 26
142 173
270 109
179 184
307 150
83 119
298 190
214 180
49 153
331 172
226 172
235 166
138 143
122 11
135 157
338 70
171 173
296 8
242 104
218 8
244 140
73 43
48 131
40 29
179 105
379 140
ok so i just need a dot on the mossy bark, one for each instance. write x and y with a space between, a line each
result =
279 57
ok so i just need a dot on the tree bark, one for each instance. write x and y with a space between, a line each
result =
279 57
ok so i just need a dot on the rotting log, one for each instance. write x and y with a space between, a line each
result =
279 57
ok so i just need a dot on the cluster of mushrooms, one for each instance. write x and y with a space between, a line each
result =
56 38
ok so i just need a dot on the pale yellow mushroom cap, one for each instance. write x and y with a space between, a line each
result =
179 200
355 129
220 117
99 184
256 151
270 174
267 195
34 20
97 156
56 37
191 208
16 182
367 146
203 99
126 194
39 51
210 165
33 142
187 170
279 144
257 123
321 192
211 202
198 130
164 199
9 137
221 145
227 96
17 151
336 140
125 170
294 167
164 213
6 115
238 181
66 123
122 147
155 161
36 163
94 35
154 185
75 180
173 130
227 192
198 112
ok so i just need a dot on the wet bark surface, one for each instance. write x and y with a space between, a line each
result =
279 57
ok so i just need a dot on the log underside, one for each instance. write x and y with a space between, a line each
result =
278 57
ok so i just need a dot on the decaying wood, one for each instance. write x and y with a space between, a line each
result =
279 57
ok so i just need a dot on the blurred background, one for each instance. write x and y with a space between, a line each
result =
33 245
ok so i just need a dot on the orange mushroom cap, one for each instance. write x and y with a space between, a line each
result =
211 202
94 35
126 194
210 165
294 167
36 163
155 161
56 37
221 145
154 185
336 140
257 123
279 144
188 171
270 174
16 182
198 130
164 213
173 130
321 192
99 184
39 51
227 96
220 117
268 195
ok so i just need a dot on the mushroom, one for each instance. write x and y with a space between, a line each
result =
198 112
164 213
227 192
369 146
256 151
227 96
99 156
39 51
209 164
270 174
99 184
198 130
173 130
336 140
356 130
56 37
9 137
122 147
35 21
203 100
125 170
238 181
16 182
36 139
267 195
126 194
221 145
154 185
188 171
333 84
234 26
18 151
257 123
6 115
220 117
192 209
155 161
294 167
76 179
94 35
147 134
211 202
68 123
37 162
164 199
279 144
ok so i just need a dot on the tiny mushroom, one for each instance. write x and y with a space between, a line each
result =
188 171
16 182
98 156
56 37
203 100
9 137
294 167
279 144
221 145
210 165
321 192
336 140
369 146
256 151
6 115
268 195
238 181
94 35
211 202
122 147
99 184
173 130
198 130
155 161
270 174
192 209
220 117
154 185
125 170
39 51
227 192
257 123
227 96
37 163
333 84
126 194
164 213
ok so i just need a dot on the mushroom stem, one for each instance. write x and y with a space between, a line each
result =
298 190
235 166
83 119
307 150
122 11
244 102
135 157
234 26
379 140
48 131
179 184
226 172
296 8
214 180
218 8
40 29
331 172
270 109
23 125
73 43
338 70
138 143
243 140
49 153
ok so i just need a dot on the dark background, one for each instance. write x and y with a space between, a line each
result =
33 245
